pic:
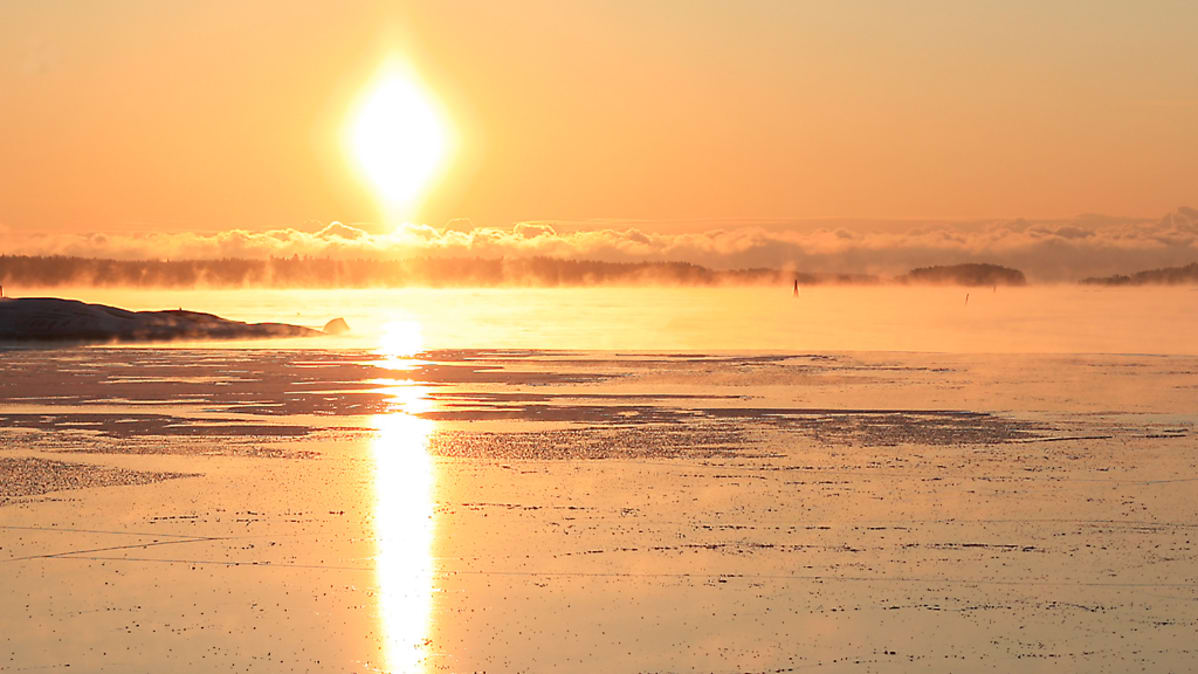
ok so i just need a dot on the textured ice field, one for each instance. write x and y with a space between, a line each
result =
470 510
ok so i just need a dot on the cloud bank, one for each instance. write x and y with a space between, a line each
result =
1056 250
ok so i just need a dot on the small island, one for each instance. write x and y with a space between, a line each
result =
29 319
970 274
1164 276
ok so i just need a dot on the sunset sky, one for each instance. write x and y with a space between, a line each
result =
675 116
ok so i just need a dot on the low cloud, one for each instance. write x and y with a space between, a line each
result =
1059 250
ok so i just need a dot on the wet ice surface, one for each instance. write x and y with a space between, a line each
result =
476 510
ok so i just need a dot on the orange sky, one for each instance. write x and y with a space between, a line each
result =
202 116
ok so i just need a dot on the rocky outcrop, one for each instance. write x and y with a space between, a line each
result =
54 319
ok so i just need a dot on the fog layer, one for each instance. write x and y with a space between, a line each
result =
1056 250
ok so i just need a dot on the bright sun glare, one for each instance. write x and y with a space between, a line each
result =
399 340
398 137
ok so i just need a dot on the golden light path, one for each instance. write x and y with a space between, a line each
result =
400 339
404 483
399 137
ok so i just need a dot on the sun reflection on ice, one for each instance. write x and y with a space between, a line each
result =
404 480
399 341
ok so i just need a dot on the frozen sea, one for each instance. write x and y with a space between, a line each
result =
617 480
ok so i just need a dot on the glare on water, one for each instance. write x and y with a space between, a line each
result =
404 480
399 340
1041 319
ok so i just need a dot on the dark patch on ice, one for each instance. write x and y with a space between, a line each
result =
178 447
273 383
594 443
23 477
870 427
470 396
128 425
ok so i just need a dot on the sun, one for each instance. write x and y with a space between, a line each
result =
399 137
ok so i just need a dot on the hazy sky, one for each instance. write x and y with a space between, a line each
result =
201 116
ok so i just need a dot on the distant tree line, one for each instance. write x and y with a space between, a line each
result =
299 271
1165 276
321 272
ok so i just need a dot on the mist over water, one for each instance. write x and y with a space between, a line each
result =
410 254
1038 319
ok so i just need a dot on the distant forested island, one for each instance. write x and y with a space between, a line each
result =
970 274
1164 276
